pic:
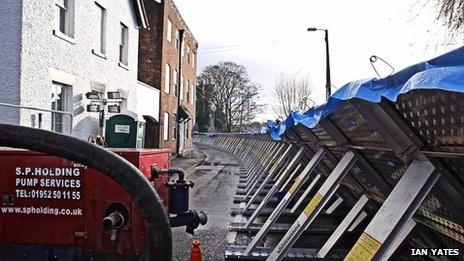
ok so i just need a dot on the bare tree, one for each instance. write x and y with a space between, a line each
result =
232 94
451 12
292 94
245 114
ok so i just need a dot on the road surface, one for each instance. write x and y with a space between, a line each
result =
215 184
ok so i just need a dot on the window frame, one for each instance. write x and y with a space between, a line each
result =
67 6
124 45
167 81
66 106
169 31
166 126
182 50
175 81
103 24
174 127
187 90
192 93
193 59
177 35
181 89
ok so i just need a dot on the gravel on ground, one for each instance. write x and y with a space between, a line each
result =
213 193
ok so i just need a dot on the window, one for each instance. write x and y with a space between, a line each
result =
174 127
193 59
101 31
181 91
169 33
124 45
166 126
192 94
188 90
61 98
175 79
177 39
64 17
193 126
191 129
188 54
182 51
167 83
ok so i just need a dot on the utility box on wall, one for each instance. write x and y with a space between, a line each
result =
125 131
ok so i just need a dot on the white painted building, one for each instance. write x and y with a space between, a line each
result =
52 52
148 101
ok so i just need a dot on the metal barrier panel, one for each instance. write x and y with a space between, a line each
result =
404 191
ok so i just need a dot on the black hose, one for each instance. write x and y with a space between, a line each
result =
189 218
159 238
170 171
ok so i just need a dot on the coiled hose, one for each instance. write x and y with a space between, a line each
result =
159 238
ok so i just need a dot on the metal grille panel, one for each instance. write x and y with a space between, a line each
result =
437 117
322 135
387 164
456 166
305 136
355 127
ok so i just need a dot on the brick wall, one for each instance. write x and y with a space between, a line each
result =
156 52
150 46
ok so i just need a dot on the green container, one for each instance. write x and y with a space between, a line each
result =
124 131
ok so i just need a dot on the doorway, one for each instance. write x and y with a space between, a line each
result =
152 132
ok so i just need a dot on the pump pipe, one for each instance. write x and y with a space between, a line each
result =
114 220
170 171
191 219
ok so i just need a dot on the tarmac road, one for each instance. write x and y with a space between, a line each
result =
213 192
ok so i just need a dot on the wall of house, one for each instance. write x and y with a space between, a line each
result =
10 58
148 100
150 47
155 52
46 57
171 57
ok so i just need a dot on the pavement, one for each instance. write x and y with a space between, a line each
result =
188 163
214 174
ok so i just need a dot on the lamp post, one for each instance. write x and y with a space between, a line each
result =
98 104
327 61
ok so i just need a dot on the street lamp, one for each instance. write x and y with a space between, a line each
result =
98 104
327 60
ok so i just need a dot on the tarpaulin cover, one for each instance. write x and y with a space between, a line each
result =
445 72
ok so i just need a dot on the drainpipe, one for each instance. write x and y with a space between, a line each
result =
179 77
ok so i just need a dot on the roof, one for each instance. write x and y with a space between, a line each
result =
445 72
140 13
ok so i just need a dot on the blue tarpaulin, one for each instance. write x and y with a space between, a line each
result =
445 72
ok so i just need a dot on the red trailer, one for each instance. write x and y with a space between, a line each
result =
54 208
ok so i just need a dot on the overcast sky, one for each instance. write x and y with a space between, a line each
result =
269 37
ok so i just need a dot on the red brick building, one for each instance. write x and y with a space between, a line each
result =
159 51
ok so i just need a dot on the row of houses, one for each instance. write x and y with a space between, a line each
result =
59 57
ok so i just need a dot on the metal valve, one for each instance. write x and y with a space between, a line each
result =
116 217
